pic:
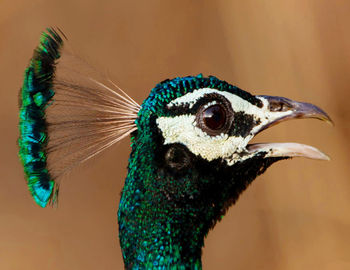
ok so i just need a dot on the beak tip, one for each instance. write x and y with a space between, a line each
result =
320 155
325 157
325 117
330 122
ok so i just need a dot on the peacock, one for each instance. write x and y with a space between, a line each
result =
190 152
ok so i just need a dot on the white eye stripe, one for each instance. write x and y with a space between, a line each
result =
190 99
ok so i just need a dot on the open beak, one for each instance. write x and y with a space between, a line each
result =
278 109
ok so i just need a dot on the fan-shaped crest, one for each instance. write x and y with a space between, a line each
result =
68 114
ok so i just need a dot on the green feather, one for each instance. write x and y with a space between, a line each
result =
36 94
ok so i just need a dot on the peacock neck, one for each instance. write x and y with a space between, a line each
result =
157 240
155 231
154 236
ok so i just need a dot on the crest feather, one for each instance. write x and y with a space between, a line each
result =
68 114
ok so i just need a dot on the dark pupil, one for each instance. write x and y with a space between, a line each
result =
214 117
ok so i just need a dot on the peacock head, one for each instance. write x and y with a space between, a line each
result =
197 131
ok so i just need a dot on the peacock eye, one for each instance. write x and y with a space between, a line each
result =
214 117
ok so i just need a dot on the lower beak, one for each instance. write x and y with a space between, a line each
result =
280 109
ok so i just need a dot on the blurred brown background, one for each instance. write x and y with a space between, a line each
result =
296 216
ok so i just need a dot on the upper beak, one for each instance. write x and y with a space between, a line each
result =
280 109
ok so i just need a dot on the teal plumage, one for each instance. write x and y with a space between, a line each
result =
166 210
190 157
36 94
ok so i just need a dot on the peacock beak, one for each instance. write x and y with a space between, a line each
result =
279 109
298 110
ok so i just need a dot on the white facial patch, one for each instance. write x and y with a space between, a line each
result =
183 129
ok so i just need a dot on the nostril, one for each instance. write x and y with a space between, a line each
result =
279 106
